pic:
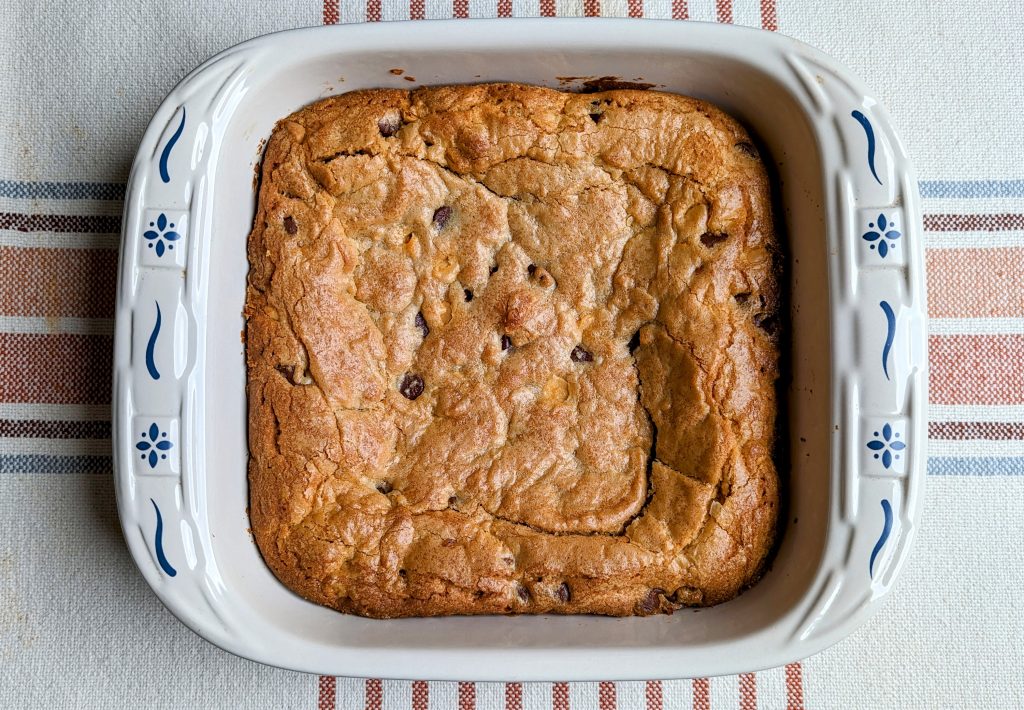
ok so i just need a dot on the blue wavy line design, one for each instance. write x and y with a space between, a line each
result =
170 145
870 132
160 556
151 346
890 333
886 529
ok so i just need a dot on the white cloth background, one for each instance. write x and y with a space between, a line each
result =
80 628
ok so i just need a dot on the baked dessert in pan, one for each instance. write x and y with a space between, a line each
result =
512 350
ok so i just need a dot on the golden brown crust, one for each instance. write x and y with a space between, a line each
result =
597 276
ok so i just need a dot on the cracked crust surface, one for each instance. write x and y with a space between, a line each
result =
512 350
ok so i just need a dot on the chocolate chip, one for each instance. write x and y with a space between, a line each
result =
563 593
523 593
652 602
452 501
389 125
478 593
506 342
766 322
634 342
290 226
509 560
710 239
287 370
747 149
441 216
469 295
384 487
421 323
595 117
741 298
448 542
412 386
579 354
401 573
531 268
494 269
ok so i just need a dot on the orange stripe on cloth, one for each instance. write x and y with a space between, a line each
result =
794 687
460 9
504 8
547 8
748 691
769 16
592 8
680 10
326 696
653 695
420 695
636 8
975 283
467 696
560 696
373 10
41 282
513 696
374 694
55 369
976 369
723 11
330 16
701 694
606 699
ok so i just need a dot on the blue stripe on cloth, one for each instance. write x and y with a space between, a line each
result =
45 463
976 466
18 190
971 188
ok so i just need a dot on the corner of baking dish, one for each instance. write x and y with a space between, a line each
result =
876 288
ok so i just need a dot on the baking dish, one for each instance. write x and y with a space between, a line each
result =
856 392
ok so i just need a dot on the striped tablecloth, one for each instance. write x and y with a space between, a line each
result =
80 628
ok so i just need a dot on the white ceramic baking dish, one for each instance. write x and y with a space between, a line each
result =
855 423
